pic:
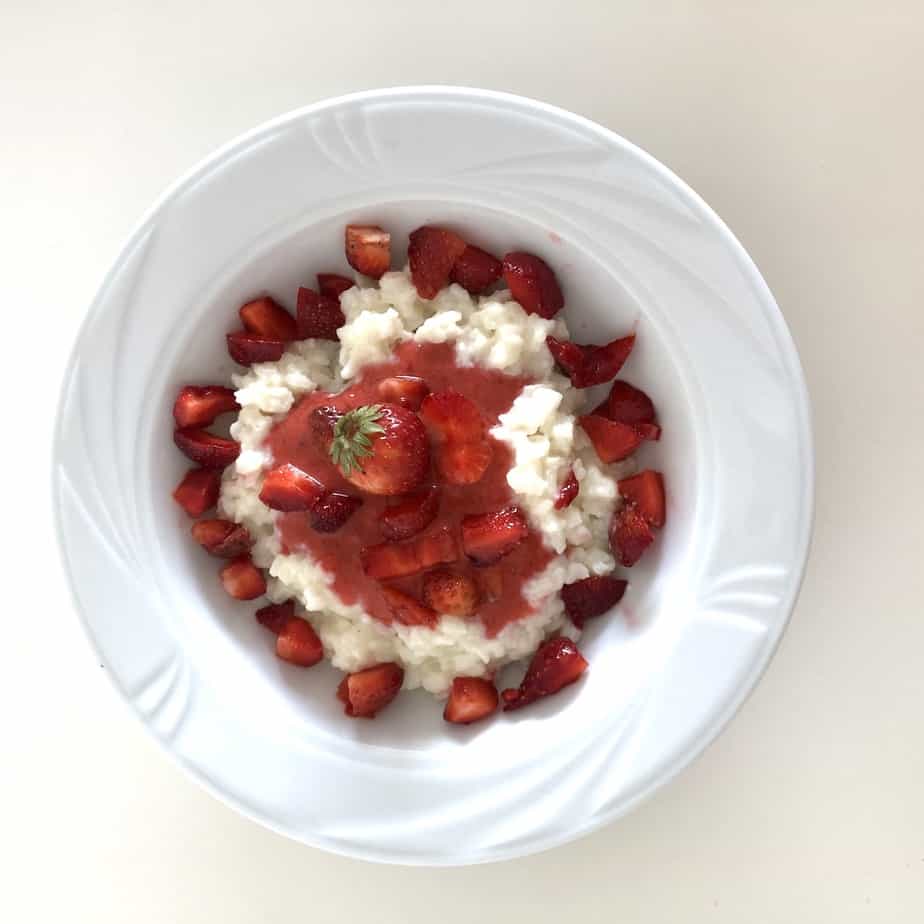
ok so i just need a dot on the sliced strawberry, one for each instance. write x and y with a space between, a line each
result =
450 593
411 515
407 610
630 535
646 491
627 404
276 615
199 405
288 488
470 699
319 316
533 284
203 447
242 579
463 463
476 270
591 597
332 511
432 252
248 348
222 538
613 441
462 450
491 584
333 285
648 431
368 249
407 390
556 664
367 692
265 318
298 643
587 364
567 492
488 537
198 491
402 559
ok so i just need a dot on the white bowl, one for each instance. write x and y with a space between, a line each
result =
632 246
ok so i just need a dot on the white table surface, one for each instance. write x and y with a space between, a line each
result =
804 128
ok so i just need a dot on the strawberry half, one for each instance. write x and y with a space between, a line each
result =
646 491
470 699
222 538
532 284
319 316
289 489
613 441
198 491
476 270
567 492
199 405
488 537
432 252
627 404
203 447
368 249
242 579
591 597
407 390
588 364
298 643
367 692
407 610
265 318
463 452
332 511
333 285
276 615
402 559
450 593
556 664
630 535
246 348
410 516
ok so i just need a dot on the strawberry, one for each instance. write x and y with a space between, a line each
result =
407 610
567 492
199 405
648 431
222 538
555 664
333 285
463 452
298 643
532 284
476 270
646 492
319 316
464 463
242 579
591 597
411 515
406 390
276 615
202 447
321 425
588 364
627 404
381 448
367 692
488 537
248 348
289 489
198 491
470 699
432 252
630 535
450 593
332 511
402 559
613 441
368 249
265 318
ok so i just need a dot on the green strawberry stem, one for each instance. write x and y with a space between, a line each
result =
352 437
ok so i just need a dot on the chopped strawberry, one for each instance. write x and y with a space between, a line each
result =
646 491
333 285
591 597
367 692
242 579
556 664
491 584
533 284
488 537
368 249
199 405
222 538
265 318
298 643
432 252
402 559
411 515
613 441
627 404
319 316
451 593
276 615
567 492
198 491
476 270
630 535
470 699
648 431
203 447
332 511
587 364
248 348
288 488
407 390
407 610
463 452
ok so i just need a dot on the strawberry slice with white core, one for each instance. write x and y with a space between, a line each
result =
556 664
289 489
367 692
592 597
368 249
470 699
204 448
463 452
198 491
242 579
266 318
199 405
432 253
222 538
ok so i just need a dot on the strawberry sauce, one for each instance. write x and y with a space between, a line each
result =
340 553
